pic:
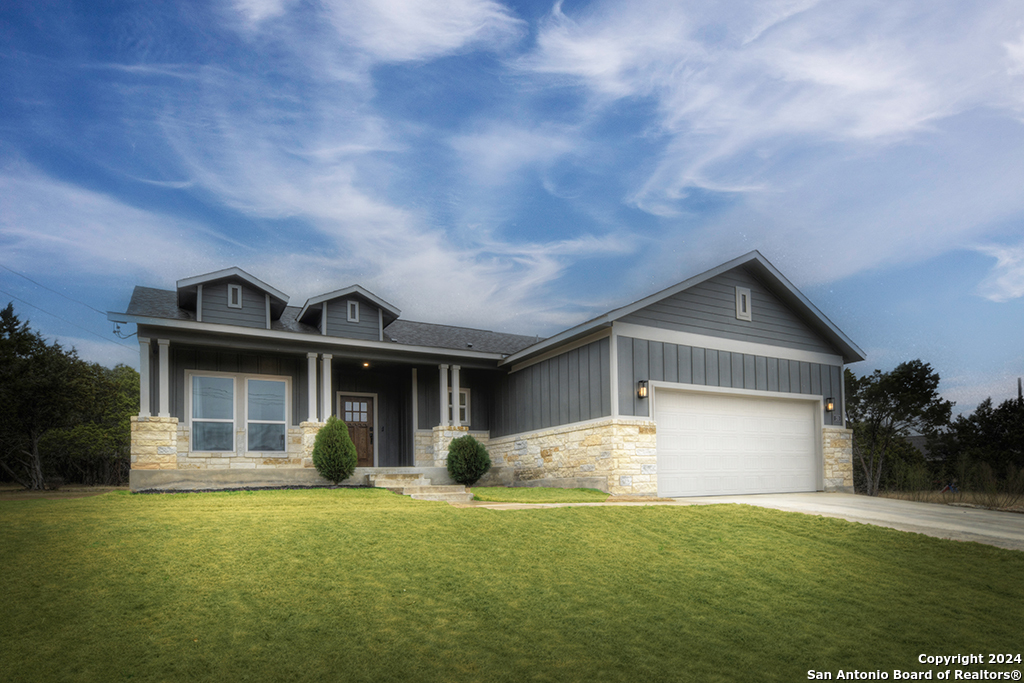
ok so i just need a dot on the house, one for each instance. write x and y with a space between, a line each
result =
728 382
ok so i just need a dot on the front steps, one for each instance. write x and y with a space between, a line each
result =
418 487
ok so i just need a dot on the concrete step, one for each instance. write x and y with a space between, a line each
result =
411 490
463 497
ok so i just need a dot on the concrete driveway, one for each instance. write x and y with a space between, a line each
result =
1002 529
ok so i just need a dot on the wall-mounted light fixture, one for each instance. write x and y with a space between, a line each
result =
366 365
641 389
830 404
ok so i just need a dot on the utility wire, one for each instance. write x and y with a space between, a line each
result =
66 320
52 290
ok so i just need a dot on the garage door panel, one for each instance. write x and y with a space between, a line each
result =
721 444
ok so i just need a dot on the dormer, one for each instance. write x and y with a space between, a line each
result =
231 297
352 312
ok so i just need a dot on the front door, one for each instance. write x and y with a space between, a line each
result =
357 412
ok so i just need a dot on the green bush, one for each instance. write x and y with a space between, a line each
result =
467 460
334 454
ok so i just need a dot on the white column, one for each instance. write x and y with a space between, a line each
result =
165 378
415 402
144 377
328 403
444 395
311 379
455 396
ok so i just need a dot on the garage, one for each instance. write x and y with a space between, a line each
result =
719 444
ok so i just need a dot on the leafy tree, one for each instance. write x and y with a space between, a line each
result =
989 436
883 408
334 454
468 460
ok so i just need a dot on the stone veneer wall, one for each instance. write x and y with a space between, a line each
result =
622 451
837 452
431 448
154 443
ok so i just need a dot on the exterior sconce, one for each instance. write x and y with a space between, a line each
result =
830 404
641 389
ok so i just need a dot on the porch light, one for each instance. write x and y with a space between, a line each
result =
366 365
829 404
641 389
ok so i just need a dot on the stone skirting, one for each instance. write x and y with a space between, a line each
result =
435 453
837 454
154 443
622 453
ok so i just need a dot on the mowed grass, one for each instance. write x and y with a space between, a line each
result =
365 585
503 494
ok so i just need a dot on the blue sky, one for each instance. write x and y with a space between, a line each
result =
525 166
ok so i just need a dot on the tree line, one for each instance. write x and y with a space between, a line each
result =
904 438
62 419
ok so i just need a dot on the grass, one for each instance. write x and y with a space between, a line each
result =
364 585
502 494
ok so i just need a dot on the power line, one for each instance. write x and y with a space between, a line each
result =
52 290
65 320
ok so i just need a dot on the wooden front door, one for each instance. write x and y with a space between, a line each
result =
357 412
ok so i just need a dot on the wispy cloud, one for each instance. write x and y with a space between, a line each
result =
1006 280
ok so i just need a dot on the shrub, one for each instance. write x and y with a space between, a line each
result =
467 460
334 454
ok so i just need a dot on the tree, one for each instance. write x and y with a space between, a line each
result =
468 460
334 454
884 408
989 436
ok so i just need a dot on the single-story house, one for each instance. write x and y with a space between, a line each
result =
728 382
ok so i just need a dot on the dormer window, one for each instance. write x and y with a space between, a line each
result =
743 303
234 296
353 311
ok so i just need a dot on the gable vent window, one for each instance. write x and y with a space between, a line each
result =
234 296
353 311
742 303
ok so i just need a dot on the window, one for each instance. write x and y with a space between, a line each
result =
234 296
213 414
356 411
463 405
353 311
265 423
743 303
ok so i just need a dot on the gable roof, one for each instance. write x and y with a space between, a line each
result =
315 303
756 263
188 287
451 337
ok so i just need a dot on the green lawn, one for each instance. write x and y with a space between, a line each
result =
524 494
365 585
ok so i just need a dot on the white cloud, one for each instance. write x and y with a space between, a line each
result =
1006 281
494 156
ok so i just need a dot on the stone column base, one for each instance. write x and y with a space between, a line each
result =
154 443
443 435
837 452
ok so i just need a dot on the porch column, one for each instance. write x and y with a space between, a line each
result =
144 377
165 377
311 379
455 396
444 395
328 404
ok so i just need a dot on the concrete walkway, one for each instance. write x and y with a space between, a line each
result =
1001 529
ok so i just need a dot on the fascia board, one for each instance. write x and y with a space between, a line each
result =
318 340
232 272
354 289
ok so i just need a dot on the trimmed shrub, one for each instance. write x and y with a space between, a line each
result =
334 454
467 460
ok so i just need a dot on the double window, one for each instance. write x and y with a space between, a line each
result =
220 401
463 405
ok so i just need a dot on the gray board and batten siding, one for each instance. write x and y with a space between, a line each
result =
428 398
253 312
571 387
392 419
641 359
338 325
709 308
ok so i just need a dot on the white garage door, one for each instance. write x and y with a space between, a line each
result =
716 444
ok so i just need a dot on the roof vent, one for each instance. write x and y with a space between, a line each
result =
469 346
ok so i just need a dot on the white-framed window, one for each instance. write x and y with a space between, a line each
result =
213 413
217 402
463 405
266 406
234 296
353 311
743 303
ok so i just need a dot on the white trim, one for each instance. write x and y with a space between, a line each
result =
415 401
583 341
743 307
463 391
323 318
229 272
450 398
842 397
325 385
443 397
352 311
613 371
268 310
239 331
234 288
720 344
311 389
144 377
165 378
373 429
199 303
819 414
240 408
354 289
